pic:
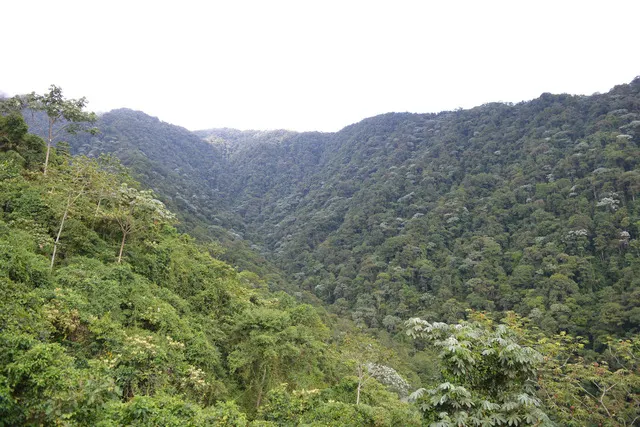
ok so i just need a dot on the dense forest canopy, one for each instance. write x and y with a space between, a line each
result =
472 267
527 207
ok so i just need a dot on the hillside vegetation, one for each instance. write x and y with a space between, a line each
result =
482 264
530 207
109 316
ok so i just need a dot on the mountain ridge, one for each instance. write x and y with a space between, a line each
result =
512 231
379 218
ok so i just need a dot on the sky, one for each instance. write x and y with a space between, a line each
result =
313 65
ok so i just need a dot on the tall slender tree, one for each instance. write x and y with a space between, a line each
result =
63 115
73 183
135 210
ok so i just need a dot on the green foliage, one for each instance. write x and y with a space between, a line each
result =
579 388
136 210
164 335
285 408
406 214
489 377
44 387
18 260
62 114
272 345
18 146
171 411
530 207
325 407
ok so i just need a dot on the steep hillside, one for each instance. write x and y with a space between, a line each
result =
529 207
189 175
169 159
109 316
267 170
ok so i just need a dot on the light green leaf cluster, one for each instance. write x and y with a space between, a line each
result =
491 377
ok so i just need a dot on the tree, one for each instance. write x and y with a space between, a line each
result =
274 346
14 137
364 355
488 377
578 391
113 174
62 115
135 210
74 183
12 130
13 105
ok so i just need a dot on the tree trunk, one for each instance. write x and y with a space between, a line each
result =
259 399
46 159
360 375
64 218
124 236
95 215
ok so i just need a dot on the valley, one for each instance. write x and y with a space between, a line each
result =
470 267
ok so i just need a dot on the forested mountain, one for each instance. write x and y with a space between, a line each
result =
529 207
188 174
520 221
110 317
168 158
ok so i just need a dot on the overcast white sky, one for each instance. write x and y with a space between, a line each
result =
313 65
